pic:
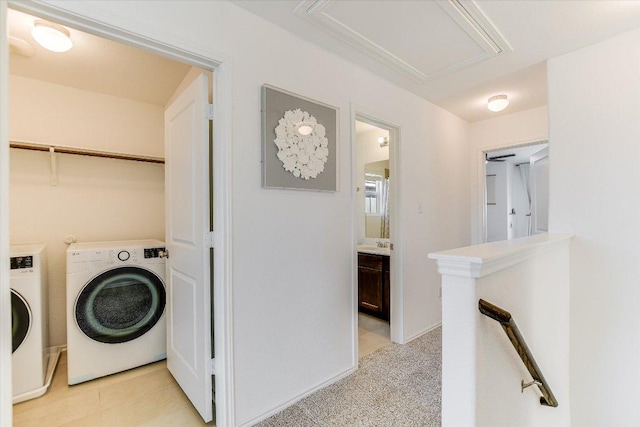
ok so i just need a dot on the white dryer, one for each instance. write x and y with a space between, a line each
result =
29 320
115 307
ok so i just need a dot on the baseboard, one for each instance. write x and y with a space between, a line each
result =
54 356
421 333
299 397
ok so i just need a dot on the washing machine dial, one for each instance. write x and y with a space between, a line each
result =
124 255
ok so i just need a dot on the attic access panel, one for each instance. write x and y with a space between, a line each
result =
422 40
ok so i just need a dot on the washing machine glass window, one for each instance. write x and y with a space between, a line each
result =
120 305
20 320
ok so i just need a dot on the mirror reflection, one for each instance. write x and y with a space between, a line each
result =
376 207
372 195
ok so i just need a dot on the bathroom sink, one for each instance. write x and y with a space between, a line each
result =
371 249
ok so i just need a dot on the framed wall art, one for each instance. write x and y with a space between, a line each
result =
299 142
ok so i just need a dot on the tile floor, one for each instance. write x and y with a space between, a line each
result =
146 396
373 334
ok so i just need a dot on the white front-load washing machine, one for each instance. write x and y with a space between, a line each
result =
29 320
115 307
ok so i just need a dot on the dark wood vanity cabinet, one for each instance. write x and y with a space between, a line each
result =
373 285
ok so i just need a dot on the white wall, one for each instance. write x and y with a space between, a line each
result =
594 106
512 129
96 199
481 371
95 121
497 226
526 295
293 256
435 207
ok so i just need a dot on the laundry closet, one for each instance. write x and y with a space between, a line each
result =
103 98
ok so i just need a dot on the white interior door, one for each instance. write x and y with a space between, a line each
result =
539 175
187 229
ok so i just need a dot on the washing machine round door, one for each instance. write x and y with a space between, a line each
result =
20 320
120 305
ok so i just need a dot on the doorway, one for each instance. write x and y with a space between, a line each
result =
220 169
516 191
377 287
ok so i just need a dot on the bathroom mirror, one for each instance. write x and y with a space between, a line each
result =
376 206
372 182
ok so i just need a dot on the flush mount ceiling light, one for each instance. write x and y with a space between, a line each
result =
51 36
383 141
497 103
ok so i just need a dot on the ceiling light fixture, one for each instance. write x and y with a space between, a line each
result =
497 103
20 47
383 141
53 37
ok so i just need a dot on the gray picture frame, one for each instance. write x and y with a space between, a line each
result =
275 102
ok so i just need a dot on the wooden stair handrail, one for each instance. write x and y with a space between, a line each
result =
511 329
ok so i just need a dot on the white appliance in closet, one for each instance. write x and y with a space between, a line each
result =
115 307
29 315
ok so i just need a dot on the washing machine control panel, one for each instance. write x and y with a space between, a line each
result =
20 262
124 255
154 252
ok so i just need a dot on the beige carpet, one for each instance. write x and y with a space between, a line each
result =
398 385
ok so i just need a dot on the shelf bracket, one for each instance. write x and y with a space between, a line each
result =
54 166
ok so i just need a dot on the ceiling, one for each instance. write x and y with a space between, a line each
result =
522 154
96 64
455 53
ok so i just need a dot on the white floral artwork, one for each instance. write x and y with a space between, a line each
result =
302 144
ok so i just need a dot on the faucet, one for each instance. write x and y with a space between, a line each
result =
382 244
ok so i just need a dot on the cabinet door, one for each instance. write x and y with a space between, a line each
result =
386 296
370 288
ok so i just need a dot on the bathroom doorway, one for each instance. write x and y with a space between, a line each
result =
375 221
516 191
